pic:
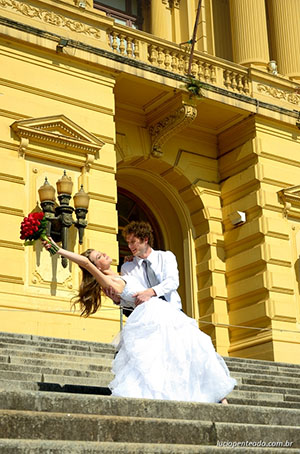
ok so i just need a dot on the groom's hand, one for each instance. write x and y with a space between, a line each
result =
145 295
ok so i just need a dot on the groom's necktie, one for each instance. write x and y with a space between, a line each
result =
150 274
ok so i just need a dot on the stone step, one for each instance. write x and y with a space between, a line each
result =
268 389
10 337
266 380
101 379
104 363
82 362
110 406
17 385
276 371
23 349
8 446
54 370
255 395
28 343
74 357
292 398
258 362
259 401
57 426
237 396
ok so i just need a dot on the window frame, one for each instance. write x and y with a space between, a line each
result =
131 20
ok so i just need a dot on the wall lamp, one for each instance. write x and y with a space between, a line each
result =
237 217
60 217
61 44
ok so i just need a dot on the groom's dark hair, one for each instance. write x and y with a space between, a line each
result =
139 229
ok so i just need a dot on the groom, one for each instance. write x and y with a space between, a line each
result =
156 270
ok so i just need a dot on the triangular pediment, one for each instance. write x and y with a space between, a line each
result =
58 131
291 199
291 192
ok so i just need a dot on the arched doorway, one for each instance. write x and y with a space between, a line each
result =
132 208
161 204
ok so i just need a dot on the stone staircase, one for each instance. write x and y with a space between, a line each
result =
54 399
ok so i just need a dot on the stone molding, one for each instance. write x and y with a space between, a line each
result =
83 3
169 126
277 93
172 3
50 17
39 280
59 132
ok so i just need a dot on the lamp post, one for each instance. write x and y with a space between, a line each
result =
60 217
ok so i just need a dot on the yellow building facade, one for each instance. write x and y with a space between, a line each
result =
99 89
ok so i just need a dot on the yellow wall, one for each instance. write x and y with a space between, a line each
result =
194 161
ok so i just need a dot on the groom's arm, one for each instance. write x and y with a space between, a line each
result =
170 281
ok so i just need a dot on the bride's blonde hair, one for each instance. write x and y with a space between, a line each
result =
89 293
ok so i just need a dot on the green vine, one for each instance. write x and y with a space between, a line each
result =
194 86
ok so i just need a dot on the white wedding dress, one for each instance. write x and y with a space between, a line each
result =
164 355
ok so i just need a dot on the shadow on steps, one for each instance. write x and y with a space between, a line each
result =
77 389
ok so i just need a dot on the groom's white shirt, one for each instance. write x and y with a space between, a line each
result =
164 265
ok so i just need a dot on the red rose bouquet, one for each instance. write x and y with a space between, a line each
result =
34 228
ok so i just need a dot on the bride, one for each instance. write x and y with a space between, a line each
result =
165 357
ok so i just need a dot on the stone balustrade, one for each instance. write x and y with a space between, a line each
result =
123 44
237 81
212 70
171 57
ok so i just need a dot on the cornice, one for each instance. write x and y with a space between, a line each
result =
277 93
57 132
50 17
11 279
12 245
249 101
55 96
11 211
12 178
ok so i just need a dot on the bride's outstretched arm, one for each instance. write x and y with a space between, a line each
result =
104 280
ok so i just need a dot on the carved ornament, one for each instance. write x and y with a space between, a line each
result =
50 17
57 132
291 200
174 3
82 3
293 98
169 126
64 283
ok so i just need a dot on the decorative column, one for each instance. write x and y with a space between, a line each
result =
249 32
161 19
176 22
285 32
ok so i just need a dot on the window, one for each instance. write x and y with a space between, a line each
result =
125 12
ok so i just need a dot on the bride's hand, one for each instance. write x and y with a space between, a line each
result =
49 243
